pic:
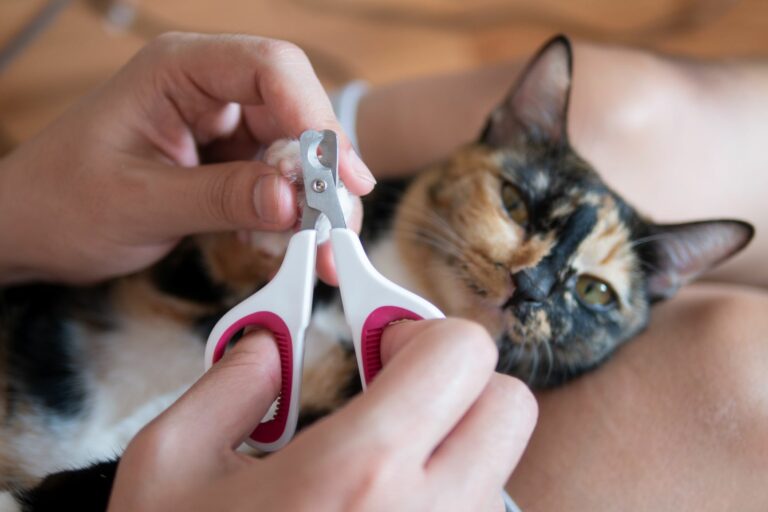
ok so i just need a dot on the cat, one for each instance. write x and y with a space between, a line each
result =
515 231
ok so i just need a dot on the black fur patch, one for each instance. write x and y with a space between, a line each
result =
309 415
183 274
379 208
324 294
42 354
82 490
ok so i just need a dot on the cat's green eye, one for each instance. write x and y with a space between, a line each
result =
595 293
513 202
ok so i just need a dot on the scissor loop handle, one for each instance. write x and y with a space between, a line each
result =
370 337
283 307
268 431
371 301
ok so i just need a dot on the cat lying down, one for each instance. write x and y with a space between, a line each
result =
515 231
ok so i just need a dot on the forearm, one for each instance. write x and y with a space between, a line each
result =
678 139
13 265
404 126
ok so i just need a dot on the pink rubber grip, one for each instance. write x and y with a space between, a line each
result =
373 329
269 431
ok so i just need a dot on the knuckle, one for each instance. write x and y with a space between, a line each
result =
374 481
162 52
154 445
279 50
464 342
167 42
472 338
516 396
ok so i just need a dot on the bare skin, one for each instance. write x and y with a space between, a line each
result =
642 120
107 190
678 419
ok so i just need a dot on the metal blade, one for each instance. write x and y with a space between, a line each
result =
321 178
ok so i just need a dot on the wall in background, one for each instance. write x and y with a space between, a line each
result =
378 40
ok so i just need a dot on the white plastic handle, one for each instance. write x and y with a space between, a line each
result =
371 301
283 306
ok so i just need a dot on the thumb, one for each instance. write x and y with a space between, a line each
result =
225 405
219 197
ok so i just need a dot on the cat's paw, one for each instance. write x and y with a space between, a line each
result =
284 155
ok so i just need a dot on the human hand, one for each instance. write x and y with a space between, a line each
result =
113 184
437 430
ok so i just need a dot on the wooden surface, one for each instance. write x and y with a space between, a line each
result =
378 40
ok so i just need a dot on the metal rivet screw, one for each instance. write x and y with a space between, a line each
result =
319 186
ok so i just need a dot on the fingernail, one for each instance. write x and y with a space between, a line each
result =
359 167
269 198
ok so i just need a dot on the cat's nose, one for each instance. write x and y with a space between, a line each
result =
532 285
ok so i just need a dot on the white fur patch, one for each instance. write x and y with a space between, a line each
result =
8 504
386 259
325 330
131 375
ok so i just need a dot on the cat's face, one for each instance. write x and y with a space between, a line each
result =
518 232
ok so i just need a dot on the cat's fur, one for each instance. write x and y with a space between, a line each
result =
83 369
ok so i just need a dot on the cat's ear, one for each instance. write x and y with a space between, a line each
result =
682 252
536 109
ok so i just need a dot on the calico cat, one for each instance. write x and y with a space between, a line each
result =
515 231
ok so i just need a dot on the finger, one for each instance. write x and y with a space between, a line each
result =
229 401
217 123
262 124
426 387
326 268
217 197
490 438
399 335
252 71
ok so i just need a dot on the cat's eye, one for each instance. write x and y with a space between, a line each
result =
594 293
513 202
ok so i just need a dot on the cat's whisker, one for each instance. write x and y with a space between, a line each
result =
433 220
650 266
550 359
433 239
441 245
436 232
651 238
535 362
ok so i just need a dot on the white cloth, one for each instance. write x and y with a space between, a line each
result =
345 102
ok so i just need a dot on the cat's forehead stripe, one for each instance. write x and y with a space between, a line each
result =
576 229
606 252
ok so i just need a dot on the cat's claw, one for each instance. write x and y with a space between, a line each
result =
284 155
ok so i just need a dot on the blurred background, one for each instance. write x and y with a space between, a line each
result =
54 51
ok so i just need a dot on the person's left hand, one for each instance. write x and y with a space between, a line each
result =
112 185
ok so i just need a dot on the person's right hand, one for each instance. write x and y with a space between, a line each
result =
163 150
437 430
